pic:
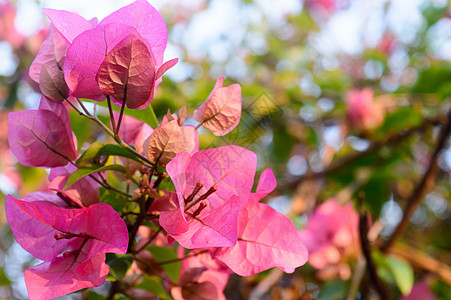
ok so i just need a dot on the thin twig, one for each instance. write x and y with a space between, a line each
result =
339 164
149 241
423 261
423 187
180 259
88 115
121 114
110 110
371 267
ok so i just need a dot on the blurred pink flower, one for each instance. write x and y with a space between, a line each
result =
331 234
363 113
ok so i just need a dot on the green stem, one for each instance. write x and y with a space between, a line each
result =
110 109
120 119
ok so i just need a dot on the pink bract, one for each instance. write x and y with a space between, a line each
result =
363 113
62 276
39 138
91 56
229 171
331 233
266 238
221 112
84 192
42 226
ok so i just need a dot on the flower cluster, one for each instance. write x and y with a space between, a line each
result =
331 236
210 207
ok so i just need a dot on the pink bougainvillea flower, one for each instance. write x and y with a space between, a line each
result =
165 142
363 113
170 138
133 131
266 238
212 185
331 234
44 227
126 48
199 281
84 192
46 68
221 112
420 291
62 276
40 138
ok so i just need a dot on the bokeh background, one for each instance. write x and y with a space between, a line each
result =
296 62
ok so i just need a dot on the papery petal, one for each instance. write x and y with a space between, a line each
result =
39 138
147 21
215 229
266 184
133 131
62 276
34 236
199 112
230 168
51 53
84 192
166 66
173 222
190 138
107 231
222 111
128 73
58 109
87 53
165 142
52 83
68 24
266 239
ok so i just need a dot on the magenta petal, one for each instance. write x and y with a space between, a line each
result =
86 54
68 24
52 51
266 239
166 66
173 222
266 184
62 276
190 138
106 230
39 138
231 169
60 110
214 229
128 73
34 236
84 192
147 21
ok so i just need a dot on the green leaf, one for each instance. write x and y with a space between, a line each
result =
94 296
332 290
85 171
90 154
401 119
153 285
3 279
116 200
402 273
119 265
161 254
98 149
394 270
146 115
